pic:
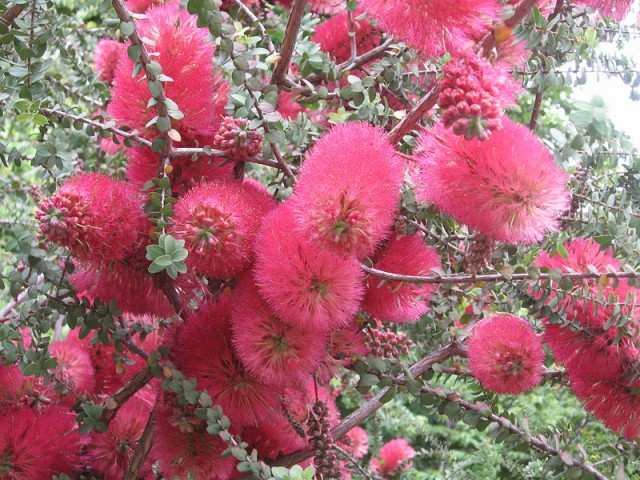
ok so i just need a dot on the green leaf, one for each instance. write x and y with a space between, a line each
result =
163 124
163 261
127 28
179 255
134 52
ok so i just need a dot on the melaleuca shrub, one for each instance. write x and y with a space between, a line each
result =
508 187
96 217
304 284
219 222
348 190
395 301
505 354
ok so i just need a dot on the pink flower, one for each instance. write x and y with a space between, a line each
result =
507 187
393 458
97 218
74 368
110 452
237 139
274 351
430 25
183 445
303 284
473 95
393 301
141 6
344 345
38 445
105 58
348 189
616 9
356 442
219 222
274 438
505 354
17 389
185 54
288 108
333 36
205 353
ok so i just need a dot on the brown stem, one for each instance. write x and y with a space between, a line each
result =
142 450
128 390
535 112
166 285
11 14
491 277
288 45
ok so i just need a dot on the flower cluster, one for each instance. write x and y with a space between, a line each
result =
237 140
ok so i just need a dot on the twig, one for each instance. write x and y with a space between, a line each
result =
263 32
128 390
602 204
11 14
189 152
352 36
19 299
288 45
492 277
142 450
347 456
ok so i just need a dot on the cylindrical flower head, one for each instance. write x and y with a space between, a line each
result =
274 438
38 445
333 36
395 301
303 284
274 351
508 187
206 354
96 217
74 368
430 25
393 458
348 189
505 354
185 54
219 222
105 58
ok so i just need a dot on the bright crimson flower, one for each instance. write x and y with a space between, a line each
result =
105 58
219 222
505 354
432 25
393 301
333 36
38 445
97 218
205 351
274 438
348 189
393 458
277 352
110 452
302 283
74 368
185 54
508 187
19 389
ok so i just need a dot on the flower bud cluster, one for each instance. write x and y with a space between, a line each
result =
387 344
237 140
321 441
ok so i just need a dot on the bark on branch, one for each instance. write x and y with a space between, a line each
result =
289 43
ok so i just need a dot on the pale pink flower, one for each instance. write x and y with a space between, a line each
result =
105 58
393 458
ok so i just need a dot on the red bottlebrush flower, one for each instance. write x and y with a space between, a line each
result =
276 352
74 368
105 58
393 458
237 140
288 108
303 284
110 452
507 187
183 445
144 164
348 189
430 25
219 222
505 354
19 389
133 290
96 217
344 344
275 437
581 252
38 445
473 95
356 442
615 9
185 54
206 354
141 6
395 301
333 36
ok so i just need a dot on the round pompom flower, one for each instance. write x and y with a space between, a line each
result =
505 354
430 25
74 367
38 445
206 354
333 36
356 442
508 187
96 217
395 301
184 52
105 58
348 189
218 222
393 458
276 352
302 283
